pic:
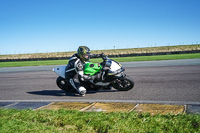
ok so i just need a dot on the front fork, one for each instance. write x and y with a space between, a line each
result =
120 78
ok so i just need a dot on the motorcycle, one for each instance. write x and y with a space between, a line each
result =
112 75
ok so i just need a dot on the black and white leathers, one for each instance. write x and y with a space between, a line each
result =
74 72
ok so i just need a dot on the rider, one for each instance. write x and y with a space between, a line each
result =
74 70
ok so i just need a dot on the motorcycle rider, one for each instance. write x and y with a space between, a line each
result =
74 70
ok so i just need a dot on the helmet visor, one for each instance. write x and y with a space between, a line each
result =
87 56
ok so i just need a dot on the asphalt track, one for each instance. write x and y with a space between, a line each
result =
163 82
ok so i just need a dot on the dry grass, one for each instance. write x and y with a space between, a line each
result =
107 52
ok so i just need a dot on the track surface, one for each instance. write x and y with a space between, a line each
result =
174 82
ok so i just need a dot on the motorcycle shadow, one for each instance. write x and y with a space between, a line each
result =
63 93
48 93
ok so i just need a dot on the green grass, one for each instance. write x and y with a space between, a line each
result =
45 121
120 59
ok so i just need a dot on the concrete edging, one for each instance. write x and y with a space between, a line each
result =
152 108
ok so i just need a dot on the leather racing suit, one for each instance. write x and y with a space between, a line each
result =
75 73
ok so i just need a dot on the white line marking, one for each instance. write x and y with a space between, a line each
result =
10 105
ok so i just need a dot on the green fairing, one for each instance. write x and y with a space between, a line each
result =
92 68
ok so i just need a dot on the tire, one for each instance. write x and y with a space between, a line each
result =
63 85
124 84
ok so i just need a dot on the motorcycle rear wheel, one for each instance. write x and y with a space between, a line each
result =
63 85
124 84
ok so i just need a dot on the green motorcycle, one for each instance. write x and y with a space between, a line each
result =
112 75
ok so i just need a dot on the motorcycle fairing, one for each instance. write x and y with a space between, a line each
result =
60 70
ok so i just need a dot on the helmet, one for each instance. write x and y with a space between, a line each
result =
84 53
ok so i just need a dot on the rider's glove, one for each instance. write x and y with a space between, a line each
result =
103 56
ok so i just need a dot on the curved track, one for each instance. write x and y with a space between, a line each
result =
174 82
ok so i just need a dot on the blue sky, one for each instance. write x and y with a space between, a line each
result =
39 26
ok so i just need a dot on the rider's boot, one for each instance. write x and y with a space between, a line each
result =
82 91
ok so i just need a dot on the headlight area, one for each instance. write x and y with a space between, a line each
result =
117 72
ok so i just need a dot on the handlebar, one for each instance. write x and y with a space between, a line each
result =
102 55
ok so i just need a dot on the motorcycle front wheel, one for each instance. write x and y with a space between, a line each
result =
123 84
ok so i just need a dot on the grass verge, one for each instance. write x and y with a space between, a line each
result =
12 120
120 59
